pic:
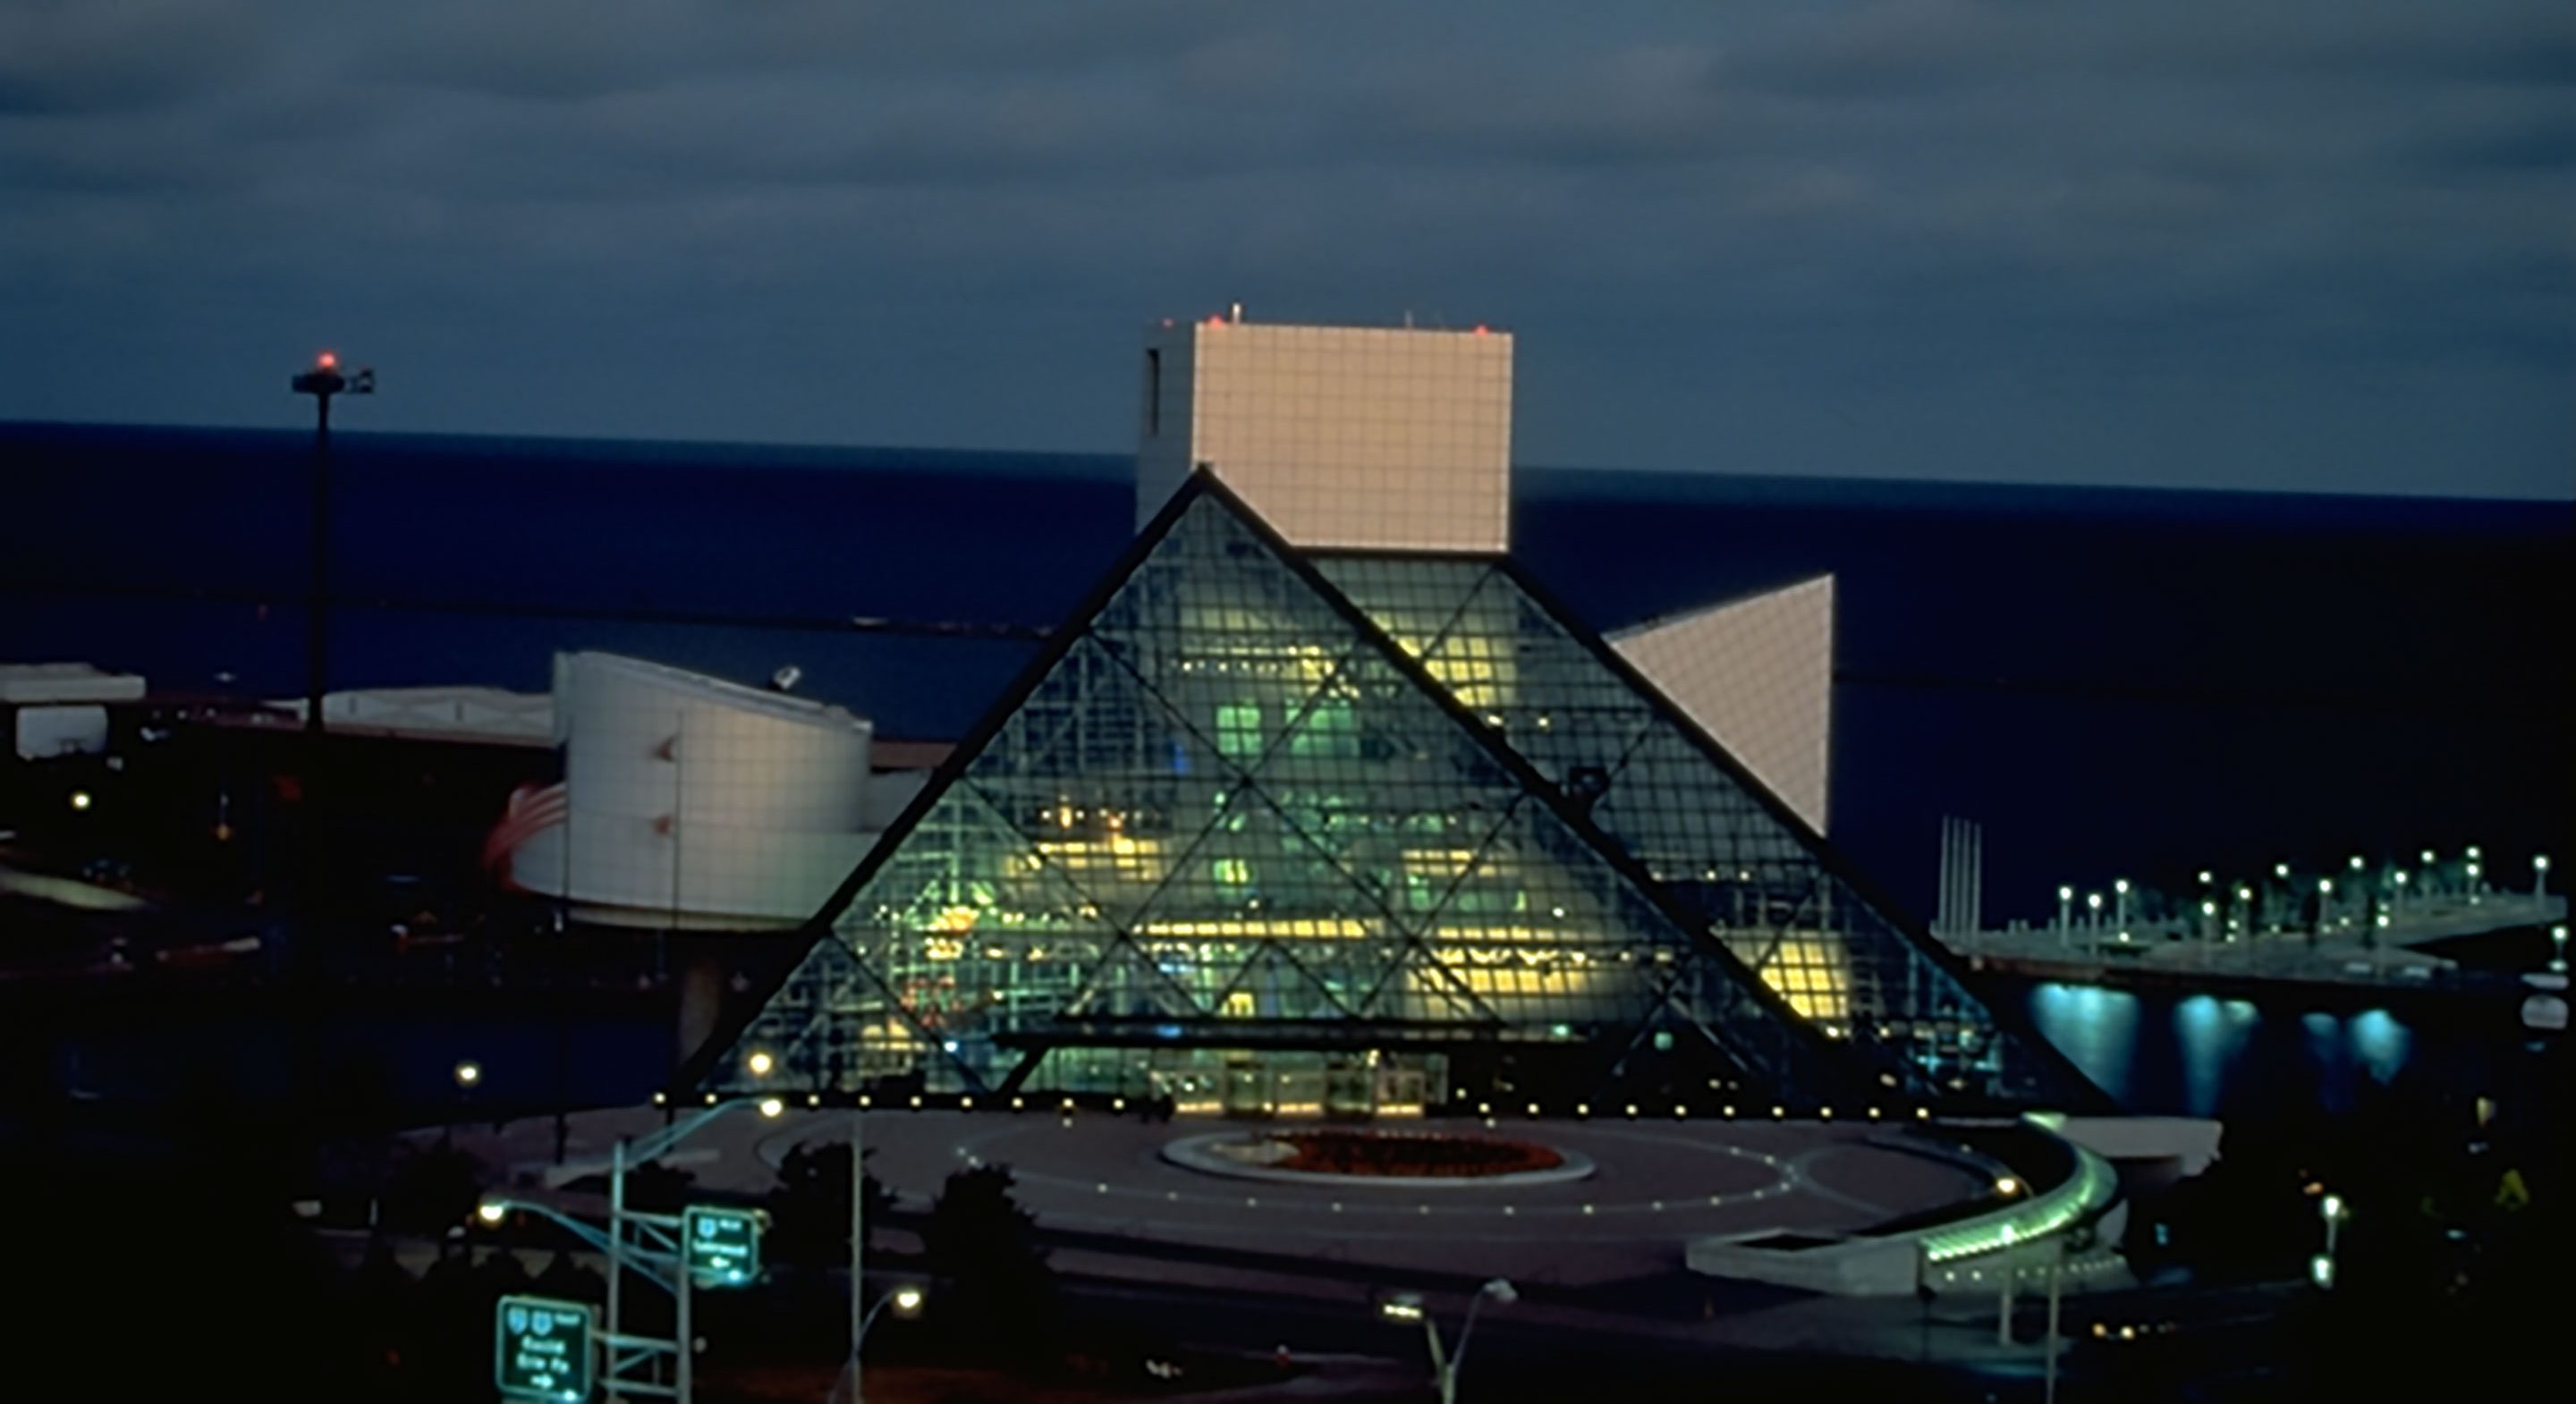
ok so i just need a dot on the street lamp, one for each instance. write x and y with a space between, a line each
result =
469 1074
2121 919
761 1063
2004 1292
2065 919
1408 1307
2558 948
322 382
2333 1210
906 1301
2093 906
625 1155
2540 877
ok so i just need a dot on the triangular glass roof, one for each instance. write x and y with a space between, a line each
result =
1251 801
1703 826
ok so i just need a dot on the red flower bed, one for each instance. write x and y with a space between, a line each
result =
1410 1155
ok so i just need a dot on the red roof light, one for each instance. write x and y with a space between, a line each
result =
326 361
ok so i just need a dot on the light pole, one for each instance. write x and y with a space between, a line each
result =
2056 1294
1408 1306
2333 1210
468 1075
906 1301
2558 948
2093 915
322 382
2004 1293
626 1155
2539 878
2065 914
761 1063
2325 897
2121 907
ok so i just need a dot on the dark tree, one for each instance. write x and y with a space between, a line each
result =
432 1191
566 1278
658 1188
985 1248
809 1211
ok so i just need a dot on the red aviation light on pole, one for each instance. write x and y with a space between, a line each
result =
322 383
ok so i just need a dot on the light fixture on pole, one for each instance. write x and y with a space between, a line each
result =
2334 1211
1408 1307
2120 921
905 1301
2004 1290
2065 912
625 1155
322 382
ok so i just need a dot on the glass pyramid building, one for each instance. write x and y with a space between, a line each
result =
1275 831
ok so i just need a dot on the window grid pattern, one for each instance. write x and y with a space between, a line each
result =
1645 779
1226 820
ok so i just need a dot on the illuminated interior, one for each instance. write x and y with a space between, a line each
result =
1355 834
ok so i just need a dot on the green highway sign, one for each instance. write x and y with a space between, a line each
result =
541 1348
723 1245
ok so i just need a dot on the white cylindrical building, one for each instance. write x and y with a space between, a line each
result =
693 803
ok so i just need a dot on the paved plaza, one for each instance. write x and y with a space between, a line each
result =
1656 1184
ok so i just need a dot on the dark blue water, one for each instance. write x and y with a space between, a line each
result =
2115 682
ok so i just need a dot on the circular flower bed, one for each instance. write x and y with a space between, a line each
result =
1406 1155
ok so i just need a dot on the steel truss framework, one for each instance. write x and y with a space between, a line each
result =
1255 804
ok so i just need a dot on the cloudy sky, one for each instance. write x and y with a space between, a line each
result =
2306 244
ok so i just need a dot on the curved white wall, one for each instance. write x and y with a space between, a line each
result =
695 802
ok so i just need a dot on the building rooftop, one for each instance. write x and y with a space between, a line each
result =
40 684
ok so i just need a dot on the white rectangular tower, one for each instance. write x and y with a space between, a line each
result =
1340 437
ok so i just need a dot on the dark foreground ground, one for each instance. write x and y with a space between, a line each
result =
167 1260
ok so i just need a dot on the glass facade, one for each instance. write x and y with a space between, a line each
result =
1351 835
1740 863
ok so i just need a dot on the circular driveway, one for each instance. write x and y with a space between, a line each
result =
1655 1186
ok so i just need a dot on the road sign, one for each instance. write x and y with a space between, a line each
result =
541 1348
723 1245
